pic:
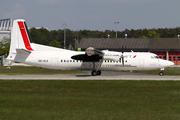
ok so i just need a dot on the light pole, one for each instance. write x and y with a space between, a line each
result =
75 44
64 25
116 27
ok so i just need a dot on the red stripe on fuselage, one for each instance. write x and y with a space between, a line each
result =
24 35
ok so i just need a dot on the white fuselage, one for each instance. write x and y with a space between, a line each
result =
55 58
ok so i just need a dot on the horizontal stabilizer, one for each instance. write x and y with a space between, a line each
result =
23 51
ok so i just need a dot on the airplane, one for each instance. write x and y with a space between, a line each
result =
23 51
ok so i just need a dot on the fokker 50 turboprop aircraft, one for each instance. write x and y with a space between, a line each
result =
23 51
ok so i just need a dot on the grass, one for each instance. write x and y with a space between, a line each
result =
20 70
89 100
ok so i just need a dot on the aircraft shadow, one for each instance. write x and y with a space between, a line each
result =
112 73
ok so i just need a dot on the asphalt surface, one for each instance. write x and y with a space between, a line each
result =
106 75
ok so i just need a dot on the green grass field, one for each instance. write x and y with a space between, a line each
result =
89 100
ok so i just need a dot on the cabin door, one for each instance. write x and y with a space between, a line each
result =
54 62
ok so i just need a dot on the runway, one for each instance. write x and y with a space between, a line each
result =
106 75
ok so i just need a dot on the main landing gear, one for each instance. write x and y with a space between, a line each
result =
161 73
95 70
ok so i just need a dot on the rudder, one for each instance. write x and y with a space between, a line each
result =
19 38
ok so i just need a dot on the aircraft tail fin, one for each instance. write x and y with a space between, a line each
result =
20 38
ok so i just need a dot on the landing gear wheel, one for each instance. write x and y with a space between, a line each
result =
161 73
98 72
93 73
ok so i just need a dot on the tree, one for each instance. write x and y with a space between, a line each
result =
39 35
143 36
55 43
4 46
151 34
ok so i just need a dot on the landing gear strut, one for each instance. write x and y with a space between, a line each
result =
95 71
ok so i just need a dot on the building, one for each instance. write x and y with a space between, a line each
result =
5 28
165 48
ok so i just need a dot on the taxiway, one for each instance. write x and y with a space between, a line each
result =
106 75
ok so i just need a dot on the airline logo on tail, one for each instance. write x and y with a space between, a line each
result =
24 35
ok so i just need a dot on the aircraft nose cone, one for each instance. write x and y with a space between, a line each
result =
170 63
166 63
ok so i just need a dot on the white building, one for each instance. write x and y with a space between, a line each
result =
5 28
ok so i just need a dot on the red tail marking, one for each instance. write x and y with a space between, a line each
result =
24 36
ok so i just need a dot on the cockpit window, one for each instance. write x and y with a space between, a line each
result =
154 57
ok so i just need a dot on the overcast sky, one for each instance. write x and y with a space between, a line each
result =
94 14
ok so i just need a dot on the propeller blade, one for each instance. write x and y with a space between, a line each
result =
123 61
122 56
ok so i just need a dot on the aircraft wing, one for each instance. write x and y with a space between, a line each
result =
91 55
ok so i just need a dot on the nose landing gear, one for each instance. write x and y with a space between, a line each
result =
161 73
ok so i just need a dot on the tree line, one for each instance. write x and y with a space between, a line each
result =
55 38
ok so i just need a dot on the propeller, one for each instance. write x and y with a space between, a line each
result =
122 56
